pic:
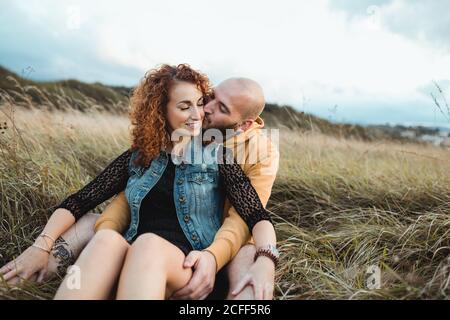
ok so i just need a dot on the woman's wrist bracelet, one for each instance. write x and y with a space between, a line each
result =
43 234
44 237
39 247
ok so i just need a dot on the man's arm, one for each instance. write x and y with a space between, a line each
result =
231 236
116 215
234 232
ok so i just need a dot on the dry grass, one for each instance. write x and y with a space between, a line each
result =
345 205
339 205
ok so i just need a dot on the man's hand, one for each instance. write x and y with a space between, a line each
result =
261 276
202 281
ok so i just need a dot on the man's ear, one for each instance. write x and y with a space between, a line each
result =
245 125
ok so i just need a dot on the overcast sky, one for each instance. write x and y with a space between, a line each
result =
355 61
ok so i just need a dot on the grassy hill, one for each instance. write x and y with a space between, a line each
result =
63 94
73 94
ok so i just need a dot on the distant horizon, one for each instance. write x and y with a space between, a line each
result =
327 116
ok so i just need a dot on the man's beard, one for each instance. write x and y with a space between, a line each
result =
208 125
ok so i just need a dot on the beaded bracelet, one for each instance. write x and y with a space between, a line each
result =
267 253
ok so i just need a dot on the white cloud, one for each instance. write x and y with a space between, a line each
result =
304 53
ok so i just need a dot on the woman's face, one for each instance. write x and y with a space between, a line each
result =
185 108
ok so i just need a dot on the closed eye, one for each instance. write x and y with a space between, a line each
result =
201 102
183 105
223 108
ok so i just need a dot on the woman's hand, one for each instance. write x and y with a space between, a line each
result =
31 264
261 276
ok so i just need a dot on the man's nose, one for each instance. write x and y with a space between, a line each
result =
209 107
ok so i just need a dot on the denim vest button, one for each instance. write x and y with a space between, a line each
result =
180 181
194 237
182 166
182 199
186 218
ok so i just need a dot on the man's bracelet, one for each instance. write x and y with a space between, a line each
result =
270 252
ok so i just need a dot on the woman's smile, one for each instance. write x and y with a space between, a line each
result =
194 125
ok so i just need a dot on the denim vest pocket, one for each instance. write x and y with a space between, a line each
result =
204 186
201 177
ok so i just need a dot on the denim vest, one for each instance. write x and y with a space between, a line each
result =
197 195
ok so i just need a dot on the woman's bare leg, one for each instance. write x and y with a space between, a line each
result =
99 267
153 269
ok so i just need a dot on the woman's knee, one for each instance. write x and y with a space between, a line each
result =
149 247
149 242
107 238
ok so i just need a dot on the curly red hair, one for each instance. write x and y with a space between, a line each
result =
148 105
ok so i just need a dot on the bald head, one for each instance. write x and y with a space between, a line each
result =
247 95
